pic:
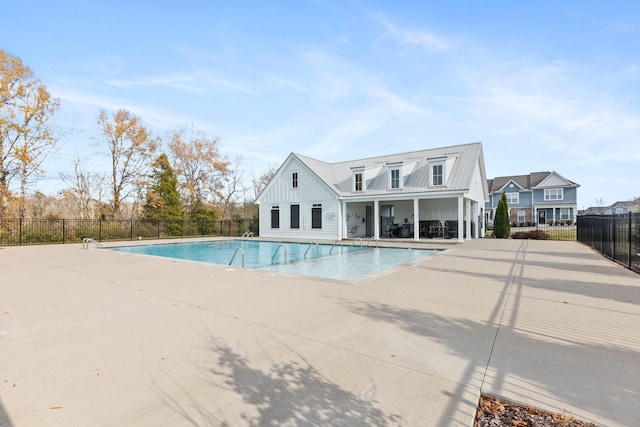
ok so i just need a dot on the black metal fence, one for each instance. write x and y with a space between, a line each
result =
542 232
615 236
20 231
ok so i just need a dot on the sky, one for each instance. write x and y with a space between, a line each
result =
544 85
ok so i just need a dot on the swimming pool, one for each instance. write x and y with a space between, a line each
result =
339 262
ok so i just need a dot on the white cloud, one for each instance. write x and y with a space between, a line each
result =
413 39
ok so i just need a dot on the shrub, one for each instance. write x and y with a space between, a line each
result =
539 235
520 235
501 226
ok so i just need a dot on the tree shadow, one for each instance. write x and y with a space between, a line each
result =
293 392
5 421
609 291
532 360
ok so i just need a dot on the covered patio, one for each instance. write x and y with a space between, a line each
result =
455 217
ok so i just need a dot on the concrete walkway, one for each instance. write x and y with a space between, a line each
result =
95 337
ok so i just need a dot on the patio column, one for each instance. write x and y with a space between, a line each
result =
468 227
376 220
460 220
416 219
343 221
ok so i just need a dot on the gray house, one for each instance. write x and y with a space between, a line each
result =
537 198
617 208
432 193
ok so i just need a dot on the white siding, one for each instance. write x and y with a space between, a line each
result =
476 191
310 191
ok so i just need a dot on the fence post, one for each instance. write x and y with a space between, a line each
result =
629 239
64 231
158 229
20 232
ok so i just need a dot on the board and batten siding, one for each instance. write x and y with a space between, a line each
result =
310 191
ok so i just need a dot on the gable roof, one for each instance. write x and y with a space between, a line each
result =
339 175
526 182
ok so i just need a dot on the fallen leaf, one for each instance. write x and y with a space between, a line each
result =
164 358
56 407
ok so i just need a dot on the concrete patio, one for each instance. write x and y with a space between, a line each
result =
96 337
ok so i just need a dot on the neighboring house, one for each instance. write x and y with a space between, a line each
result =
437 192
618 208
537 198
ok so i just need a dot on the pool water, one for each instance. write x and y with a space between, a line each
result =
339 262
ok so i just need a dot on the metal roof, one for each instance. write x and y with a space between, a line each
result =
415 165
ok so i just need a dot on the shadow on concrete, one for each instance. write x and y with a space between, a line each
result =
5 421
293 392
608 291
584 264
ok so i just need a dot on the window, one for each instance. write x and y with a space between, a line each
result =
553 194
316 216
294 180
275 216
520 217
513 198
358 181
619 210
395 178
564 213
295 216
436 174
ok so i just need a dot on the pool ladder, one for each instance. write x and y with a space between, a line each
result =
337 242
87 240
276 253
234 256
247 235
310 245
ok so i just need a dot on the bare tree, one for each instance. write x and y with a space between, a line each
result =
234 190
84 188
200 167
261 182
26 136
131 148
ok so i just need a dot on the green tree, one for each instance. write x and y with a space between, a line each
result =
501 224
163 199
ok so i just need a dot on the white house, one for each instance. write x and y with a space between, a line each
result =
433 193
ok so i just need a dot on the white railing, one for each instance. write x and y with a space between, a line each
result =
234 256
310 245
335 244
276 253
87 240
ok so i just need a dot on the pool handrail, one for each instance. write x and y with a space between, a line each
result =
276 253
309 247
246 235
87 240
234 256
372 239
361 244
334 245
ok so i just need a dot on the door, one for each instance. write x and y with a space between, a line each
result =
368 218
542 217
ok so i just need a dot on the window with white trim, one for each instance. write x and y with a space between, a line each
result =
513 198
316 215
553 194
395 178
358 181
564 213
275 216
520 216
619 210
295 216
437 174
